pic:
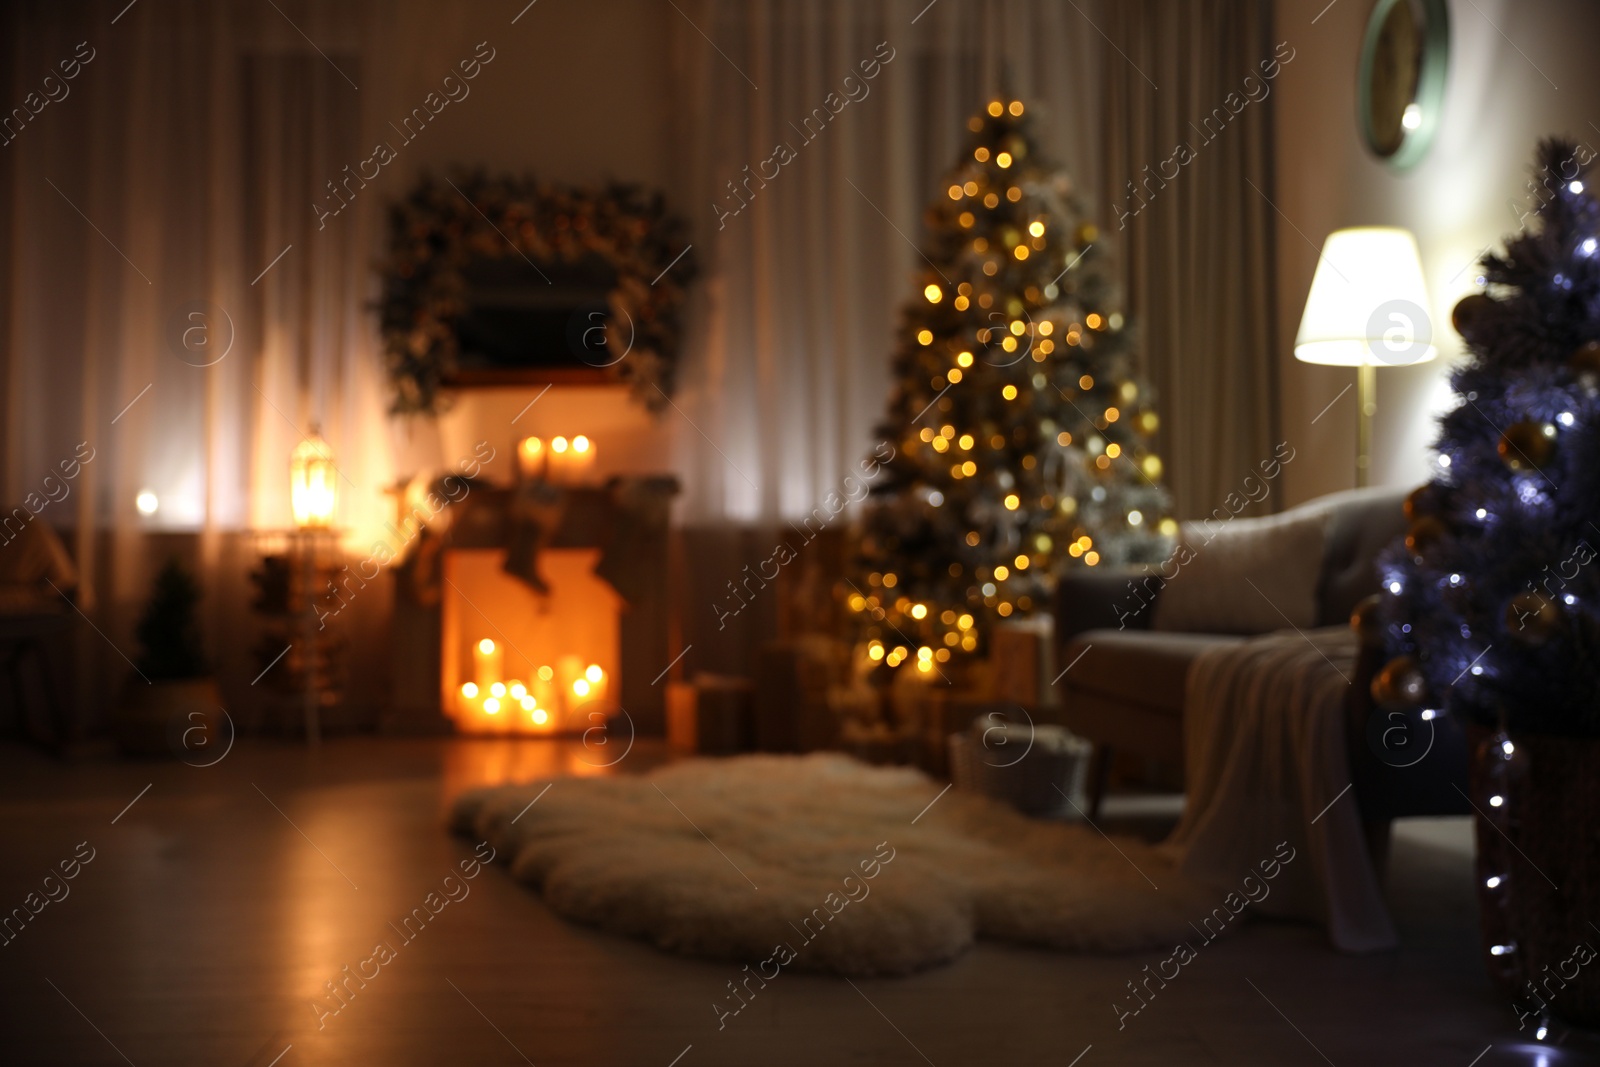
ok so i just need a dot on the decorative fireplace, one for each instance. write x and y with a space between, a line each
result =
514 659
540 598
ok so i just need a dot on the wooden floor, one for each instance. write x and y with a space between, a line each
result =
221 901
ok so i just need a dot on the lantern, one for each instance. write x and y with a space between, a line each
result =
312 492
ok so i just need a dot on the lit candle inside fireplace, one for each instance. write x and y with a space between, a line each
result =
488 660
590 687
542 688
569 675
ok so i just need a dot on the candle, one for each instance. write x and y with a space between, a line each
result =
542 688
571 461
488 660
526 714
591 688
531 458
569 673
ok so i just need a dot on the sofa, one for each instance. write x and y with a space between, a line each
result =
1127 660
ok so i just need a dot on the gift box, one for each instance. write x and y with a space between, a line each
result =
1021 659
878 742
710 715
1039 769
792 682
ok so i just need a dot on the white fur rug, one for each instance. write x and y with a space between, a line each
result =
742 858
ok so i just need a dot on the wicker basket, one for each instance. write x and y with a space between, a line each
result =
1538 865
1039 770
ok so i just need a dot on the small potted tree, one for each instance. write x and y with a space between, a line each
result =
175 692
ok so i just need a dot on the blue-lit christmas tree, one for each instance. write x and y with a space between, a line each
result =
1491 606
1492 609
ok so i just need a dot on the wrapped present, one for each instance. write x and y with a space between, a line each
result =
1020 662
710 715
915 701
931 712
792 683
1039 769
877 742
855 706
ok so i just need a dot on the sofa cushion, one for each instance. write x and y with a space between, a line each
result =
1244 576
1361 524
1147 668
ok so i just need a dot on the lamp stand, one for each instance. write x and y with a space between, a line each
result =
1367 401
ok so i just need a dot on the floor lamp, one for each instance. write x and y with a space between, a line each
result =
1368 308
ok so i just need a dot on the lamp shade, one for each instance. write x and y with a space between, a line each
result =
1368 303
313 492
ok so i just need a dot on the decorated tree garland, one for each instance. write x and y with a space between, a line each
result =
1023 437
439 228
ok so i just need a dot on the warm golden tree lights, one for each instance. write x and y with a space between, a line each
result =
1026 440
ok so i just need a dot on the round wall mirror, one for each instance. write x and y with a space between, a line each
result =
1404 58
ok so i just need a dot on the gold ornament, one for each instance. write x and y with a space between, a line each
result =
1469 311
1527 445
1585 364
1532 619
1423 535
1399 685
1365 622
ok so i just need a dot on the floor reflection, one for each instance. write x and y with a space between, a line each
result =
469 763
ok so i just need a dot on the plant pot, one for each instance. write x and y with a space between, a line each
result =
1538 866
168 718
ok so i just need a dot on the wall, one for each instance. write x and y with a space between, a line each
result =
1519 71
577 94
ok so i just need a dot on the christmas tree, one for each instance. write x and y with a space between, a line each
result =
1022 437
1492 604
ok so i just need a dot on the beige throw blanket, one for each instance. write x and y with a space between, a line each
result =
1264 739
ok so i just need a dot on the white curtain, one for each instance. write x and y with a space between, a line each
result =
172 299
787 363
